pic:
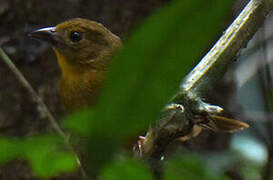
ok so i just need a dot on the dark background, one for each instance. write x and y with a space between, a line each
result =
19 115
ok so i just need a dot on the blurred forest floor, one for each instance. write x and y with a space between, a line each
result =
19 115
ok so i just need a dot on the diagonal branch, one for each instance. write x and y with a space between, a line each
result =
227 48
43 107
206 74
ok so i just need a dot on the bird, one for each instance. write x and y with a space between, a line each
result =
84 50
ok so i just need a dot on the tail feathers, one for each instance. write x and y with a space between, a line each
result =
223 124
217 124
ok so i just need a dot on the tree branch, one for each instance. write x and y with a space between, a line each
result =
227 48
178 119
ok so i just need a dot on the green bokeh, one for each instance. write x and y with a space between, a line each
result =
189 167
126 168
45 154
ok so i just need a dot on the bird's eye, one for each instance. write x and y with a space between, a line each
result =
75 36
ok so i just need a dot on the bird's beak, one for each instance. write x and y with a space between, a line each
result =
47 34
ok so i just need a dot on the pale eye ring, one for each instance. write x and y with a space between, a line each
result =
75 36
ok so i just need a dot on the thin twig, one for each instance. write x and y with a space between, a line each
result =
43 107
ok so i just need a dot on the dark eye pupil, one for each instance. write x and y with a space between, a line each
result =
75 36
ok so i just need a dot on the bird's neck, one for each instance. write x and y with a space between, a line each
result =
68 70
79 87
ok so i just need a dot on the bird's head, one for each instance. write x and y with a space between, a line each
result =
80 44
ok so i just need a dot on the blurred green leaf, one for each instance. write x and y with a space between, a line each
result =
100 151
79 123
47 163
45 154
126 168
9 149
148 70
189 167
46 157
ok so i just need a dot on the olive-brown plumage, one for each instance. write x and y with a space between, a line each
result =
84 50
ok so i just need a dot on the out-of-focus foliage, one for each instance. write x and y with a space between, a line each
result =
126 168
189 167
147 72
142 79
251 171
45 154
